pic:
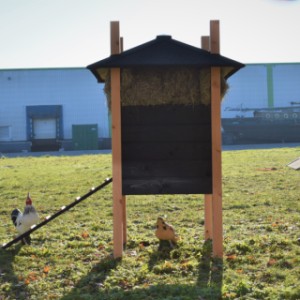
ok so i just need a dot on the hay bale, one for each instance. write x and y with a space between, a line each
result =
160 86
205 92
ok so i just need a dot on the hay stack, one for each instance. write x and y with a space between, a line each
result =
161 86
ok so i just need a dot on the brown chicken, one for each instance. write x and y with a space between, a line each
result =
165 232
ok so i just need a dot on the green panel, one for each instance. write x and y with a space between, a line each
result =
85 137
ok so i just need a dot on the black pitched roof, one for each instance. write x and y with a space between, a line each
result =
164 52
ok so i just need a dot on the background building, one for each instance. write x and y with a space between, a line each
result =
52 109
262 86
65 108
263 104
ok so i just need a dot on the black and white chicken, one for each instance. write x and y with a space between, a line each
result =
24 221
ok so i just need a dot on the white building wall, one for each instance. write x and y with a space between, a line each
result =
286 84
247 89
84 102
76 89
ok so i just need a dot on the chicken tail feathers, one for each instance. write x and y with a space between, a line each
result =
14 215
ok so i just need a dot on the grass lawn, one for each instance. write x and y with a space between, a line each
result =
70 258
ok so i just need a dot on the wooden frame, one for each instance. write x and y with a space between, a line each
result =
213 202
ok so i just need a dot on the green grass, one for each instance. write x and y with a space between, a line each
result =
70 258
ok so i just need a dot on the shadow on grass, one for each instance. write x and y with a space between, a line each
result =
10 286
208 282
210 275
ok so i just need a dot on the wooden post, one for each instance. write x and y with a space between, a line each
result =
121 44
208 231
205 43
118 200
216 144
114 37
124 197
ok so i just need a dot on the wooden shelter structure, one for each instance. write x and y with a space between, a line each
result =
165 99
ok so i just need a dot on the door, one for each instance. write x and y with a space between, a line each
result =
44 135
44 129
85 137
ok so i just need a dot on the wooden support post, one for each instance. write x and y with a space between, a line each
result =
121 44
124 197
205 44
118 199
114 37
216 144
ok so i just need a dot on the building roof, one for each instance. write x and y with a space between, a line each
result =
164 52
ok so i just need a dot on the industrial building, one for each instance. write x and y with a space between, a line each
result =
52 109
259 86
66 108
263 104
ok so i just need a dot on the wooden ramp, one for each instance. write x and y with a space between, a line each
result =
58 213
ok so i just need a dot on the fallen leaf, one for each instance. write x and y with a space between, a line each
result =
85 235
46 269
30 277
231 257
271 262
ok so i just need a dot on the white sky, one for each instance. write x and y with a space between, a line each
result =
75 33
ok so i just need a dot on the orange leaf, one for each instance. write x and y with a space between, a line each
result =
231 257
271 262
32 276
46 269
85 235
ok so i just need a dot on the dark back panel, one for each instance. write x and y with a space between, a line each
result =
166 149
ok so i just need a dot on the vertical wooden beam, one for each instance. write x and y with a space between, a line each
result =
215 36
118 205
121 44
124 197
208 231
216 144
205 43
114 37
